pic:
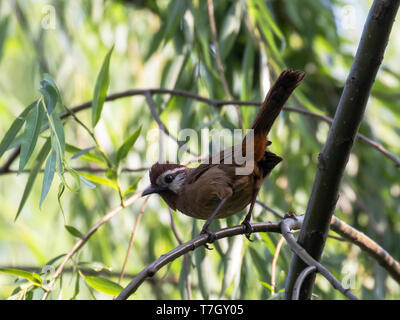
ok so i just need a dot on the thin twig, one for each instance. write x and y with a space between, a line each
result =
300 280
391 265
186 257
86 236
273 211
161 125
136 225
292 222
220 66
274 261
84 169
214 102
200 240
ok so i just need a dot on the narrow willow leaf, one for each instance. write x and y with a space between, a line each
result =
76 177
61 189
84 156
33 124
32 277
73 231
100 90
4 24
50 93
87 183
76 287
176 9
132 188
58 140
82 152
48 176
94 265
34 172
127 146
14 129
103 285
97 179
55 259
230 28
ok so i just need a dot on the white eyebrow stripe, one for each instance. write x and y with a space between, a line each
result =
173 171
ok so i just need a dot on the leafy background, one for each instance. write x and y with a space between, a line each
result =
169 44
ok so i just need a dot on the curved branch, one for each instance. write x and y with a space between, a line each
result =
300 280
336 151
214 102
201 240
292 222
284 227
368 245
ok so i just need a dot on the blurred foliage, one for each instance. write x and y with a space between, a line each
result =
169 44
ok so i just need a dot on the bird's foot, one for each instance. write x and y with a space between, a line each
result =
248 229
211 237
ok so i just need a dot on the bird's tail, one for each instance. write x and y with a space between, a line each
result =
275 99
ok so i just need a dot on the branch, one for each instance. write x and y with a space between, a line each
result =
274 262
86 236
292 222
215 103
161 125
391 265
300 280
284 226
186 257
220 67
85 169
200 240
133 233
358 238
335 154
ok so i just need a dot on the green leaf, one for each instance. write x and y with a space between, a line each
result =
268 286
4 24
50 93
32 176
48 176
100 90
87 183
230 28
32 277
97 179
94 265
127 146
30 136
103 285
14 129
57 140
82 152
132 188
73 231
83 155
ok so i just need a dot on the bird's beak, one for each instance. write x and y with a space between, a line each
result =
152 189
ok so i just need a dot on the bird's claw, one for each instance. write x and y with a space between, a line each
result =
211 237
248 230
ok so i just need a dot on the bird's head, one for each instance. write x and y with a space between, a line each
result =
166 178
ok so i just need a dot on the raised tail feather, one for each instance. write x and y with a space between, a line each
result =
275 100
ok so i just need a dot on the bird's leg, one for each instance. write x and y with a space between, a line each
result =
204 230
246 221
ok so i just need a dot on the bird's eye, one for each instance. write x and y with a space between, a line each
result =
168 178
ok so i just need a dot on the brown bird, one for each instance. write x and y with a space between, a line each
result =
218 189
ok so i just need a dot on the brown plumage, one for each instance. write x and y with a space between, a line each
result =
215 189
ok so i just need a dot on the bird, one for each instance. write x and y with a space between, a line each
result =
217 188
